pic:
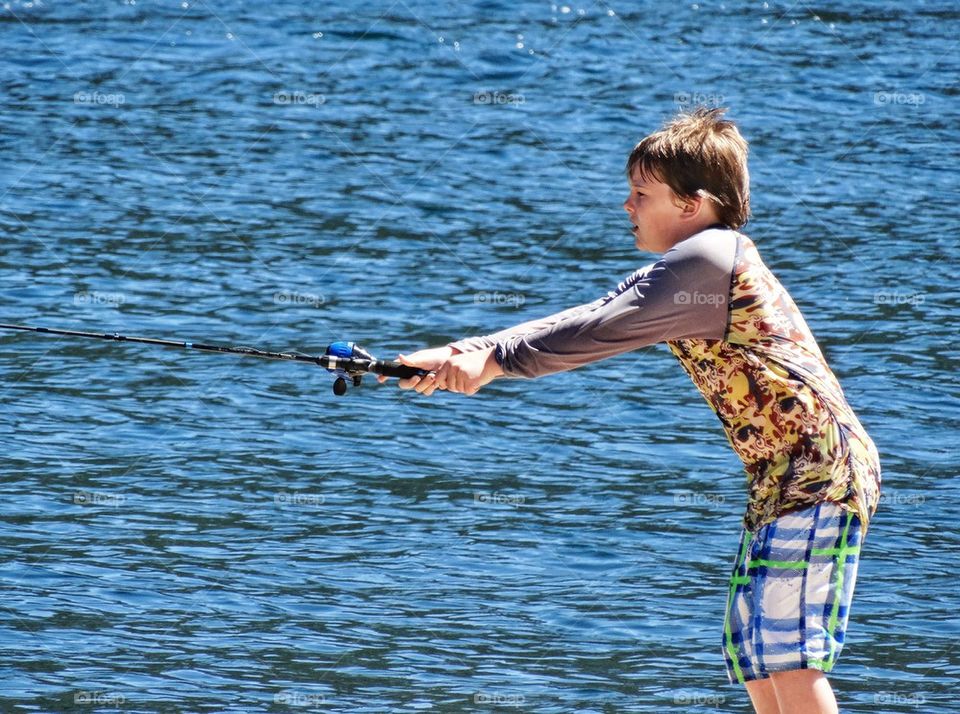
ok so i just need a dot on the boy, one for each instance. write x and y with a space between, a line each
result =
813 474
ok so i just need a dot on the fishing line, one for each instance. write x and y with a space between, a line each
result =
347 360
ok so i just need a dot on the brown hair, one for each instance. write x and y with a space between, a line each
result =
699 153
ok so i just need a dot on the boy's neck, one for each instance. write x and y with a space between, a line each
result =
704 225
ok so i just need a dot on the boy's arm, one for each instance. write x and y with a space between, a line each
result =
468 364
472 344
683 296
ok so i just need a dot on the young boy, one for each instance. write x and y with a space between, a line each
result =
813 474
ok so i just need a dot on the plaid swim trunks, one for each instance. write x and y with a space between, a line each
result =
790 593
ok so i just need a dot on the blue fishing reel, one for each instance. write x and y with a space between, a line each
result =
350 361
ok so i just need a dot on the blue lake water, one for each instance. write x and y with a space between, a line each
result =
190 532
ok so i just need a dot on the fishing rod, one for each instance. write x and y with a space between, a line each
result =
347 360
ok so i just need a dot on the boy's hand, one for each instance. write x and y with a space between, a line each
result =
429 359
463 373
467 373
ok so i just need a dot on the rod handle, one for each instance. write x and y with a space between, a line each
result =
395 369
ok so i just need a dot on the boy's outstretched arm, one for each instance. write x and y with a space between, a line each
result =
470 374
682 296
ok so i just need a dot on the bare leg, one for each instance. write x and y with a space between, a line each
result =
763 696
804 691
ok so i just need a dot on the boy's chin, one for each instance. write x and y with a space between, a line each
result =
654 245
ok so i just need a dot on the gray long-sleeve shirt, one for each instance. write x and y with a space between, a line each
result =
682 295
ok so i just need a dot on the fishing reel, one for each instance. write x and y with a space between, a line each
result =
350 361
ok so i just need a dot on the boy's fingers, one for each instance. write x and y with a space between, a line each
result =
408 383
453 383
425 383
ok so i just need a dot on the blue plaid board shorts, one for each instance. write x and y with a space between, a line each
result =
790 593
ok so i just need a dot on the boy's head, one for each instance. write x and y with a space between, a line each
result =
690 174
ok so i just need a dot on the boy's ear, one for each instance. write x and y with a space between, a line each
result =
690 204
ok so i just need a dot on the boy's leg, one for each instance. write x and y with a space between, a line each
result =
803 691
738 637
763 696
787 610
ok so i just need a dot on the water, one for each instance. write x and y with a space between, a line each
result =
188 532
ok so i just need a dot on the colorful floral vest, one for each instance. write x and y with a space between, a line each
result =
781 406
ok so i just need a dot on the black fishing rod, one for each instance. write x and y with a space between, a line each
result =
348 361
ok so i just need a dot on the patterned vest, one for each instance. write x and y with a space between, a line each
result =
781 406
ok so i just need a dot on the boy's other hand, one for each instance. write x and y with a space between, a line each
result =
430 359
467 373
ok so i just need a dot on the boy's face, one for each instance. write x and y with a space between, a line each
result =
656 214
